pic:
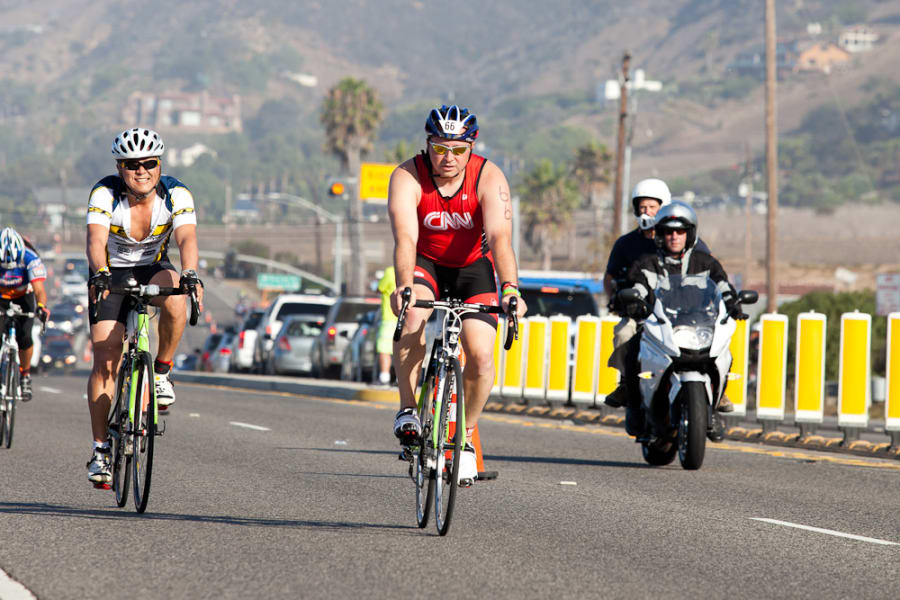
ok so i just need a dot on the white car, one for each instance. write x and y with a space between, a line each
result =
281 307
244 343
73 284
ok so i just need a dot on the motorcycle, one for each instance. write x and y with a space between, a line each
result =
684 360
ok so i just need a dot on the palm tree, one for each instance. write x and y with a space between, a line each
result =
351 112
401 151
549 198
592 168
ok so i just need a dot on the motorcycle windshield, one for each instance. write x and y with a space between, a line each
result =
689 299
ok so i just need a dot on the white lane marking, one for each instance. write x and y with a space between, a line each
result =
249 426
50 390
194 415
828 531
10 589
568 483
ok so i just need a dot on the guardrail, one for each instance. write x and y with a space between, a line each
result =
556 360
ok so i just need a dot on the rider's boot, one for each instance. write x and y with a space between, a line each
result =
716 431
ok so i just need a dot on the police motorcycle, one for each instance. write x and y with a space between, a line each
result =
684 360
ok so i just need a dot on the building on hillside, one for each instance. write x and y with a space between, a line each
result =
199 112
62 206
823 57
187 156
753 62
859 38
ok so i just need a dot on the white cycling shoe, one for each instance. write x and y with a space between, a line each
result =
468 466
99 469
165 392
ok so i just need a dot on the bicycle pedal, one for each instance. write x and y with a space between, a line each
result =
405 454
103 486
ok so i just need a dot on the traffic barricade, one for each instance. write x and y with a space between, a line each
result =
854 380
558 359
587 351
809 375
772 365
892 380
513 367
535 382
607 377
736 386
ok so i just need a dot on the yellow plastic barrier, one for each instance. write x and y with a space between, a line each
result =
536 358
587 352
558 359
809 385
607 377
513 366
892 385
736 386
772 367
854 381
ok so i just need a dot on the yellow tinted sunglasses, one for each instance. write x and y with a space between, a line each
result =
441 149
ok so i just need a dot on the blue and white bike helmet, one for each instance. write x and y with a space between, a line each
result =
12 248
452 123
137 143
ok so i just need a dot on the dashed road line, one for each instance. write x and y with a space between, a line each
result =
249 426
851 536
50 390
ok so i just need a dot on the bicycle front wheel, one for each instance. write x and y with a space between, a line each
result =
120 439
12 396
423 457
450 446
144 429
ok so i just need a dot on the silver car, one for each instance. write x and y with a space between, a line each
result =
292 352
340 325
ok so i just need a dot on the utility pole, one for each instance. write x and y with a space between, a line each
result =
748 206
771 160
620 148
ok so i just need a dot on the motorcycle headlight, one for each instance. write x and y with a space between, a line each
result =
693 338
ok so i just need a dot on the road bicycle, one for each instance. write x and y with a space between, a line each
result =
10 376
134 417
434 457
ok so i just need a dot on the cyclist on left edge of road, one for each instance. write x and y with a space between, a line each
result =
19 267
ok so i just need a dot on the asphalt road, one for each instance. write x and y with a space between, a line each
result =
272 496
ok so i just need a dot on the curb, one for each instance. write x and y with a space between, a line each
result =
347 390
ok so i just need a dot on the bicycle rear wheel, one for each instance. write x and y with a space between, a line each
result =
423 457
449 447
144 430
12 397
121 450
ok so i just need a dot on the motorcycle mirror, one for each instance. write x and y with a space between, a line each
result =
748 296
628 295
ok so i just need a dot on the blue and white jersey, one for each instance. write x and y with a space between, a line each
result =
108 206
15 277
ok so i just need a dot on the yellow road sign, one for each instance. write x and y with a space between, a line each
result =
374 179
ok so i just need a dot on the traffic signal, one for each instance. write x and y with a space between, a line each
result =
336 188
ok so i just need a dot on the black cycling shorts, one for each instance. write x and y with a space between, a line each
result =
475 282
114 307
23 326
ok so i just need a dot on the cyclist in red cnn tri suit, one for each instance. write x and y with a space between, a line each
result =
451 215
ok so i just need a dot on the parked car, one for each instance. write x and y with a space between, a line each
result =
66 318
73 284
282 307
219 360
209 344
548 300
292 352
340 325
245 342
359 359
58 355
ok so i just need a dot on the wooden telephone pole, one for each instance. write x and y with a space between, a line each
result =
771 159
620 148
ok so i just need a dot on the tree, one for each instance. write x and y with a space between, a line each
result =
351 112
592 168
549 197
401 151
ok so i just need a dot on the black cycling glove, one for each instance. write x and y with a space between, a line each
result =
100 281
189 279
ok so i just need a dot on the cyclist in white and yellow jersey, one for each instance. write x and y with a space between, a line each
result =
131 218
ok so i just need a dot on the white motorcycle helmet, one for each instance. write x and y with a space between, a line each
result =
649 188
137 143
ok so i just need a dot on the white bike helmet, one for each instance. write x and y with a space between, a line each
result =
12 248
137 143
649 188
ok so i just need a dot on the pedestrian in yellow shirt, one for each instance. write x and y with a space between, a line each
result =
384 344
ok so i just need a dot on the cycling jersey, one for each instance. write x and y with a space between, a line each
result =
15 277
173 207
451 229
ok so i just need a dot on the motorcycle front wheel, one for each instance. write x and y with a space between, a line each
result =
659 453
692 425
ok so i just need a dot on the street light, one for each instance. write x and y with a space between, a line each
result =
321 212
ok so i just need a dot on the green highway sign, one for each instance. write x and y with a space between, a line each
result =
278 281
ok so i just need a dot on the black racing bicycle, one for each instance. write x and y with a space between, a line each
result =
434 457
133 419
10 376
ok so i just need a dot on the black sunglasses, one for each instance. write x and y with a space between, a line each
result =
134 164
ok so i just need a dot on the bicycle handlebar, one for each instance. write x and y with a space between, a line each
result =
512 332
14 310
151 291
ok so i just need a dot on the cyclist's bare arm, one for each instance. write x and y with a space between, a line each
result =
496 206
404 193
40 292
97 237
186 238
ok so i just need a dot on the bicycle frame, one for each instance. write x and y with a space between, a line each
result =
441 351
138 336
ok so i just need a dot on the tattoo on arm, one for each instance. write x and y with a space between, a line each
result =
507 205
